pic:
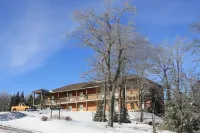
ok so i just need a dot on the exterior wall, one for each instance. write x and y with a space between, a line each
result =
83 104
135 107
132 92
92 106
91 91
79 91
72 92
62 94
55 95
64 106
73 106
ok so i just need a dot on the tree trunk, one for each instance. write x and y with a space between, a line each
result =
141 98
168 89
104 101
120 104
141 111
124 101
111 111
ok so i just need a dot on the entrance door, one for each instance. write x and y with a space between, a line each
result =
81 107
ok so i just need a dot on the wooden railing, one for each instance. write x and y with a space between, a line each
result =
132 98
73 99
64 100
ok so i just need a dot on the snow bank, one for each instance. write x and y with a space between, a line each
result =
11 116
81 122
134 116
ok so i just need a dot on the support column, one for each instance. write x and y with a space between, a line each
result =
76 96
86 100
86 106
67 99
59 114
51 114
33 99
97 93
41 101
58 99
76 107
51 99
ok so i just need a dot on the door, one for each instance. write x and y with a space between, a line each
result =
81 107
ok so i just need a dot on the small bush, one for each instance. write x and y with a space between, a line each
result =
67 118
44 118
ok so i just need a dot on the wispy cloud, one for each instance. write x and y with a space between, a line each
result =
29 40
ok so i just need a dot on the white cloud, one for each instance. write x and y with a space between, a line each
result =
31 39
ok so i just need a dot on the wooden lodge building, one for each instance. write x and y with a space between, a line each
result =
87 96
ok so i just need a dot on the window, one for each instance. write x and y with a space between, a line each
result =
81 107
137 97
81 94
70 108
70 95
134 97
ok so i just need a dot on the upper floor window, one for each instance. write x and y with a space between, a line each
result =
81 94
70 95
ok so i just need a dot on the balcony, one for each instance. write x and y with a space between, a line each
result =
64 100
132 98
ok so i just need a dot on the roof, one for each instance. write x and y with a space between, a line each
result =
134 76
77 86
83 85
41 91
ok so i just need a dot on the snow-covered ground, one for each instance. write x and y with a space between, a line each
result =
81 123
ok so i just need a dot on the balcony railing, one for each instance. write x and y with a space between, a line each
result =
63 100
132 98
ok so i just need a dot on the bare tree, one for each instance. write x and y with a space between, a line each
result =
141 60
109 38
5 101
162 66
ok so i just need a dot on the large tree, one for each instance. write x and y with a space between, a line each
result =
110 36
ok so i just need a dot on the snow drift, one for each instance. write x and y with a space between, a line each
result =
11 116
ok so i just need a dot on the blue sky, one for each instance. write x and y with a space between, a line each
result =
34 52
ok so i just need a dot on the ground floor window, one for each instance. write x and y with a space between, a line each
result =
69 108
81 107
